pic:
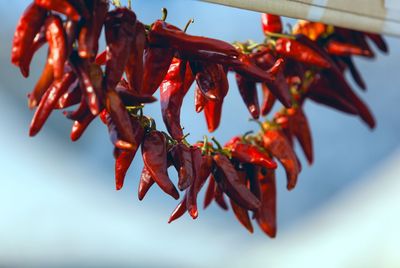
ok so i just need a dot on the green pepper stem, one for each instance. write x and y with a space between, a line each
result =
116 3
217 143
164 14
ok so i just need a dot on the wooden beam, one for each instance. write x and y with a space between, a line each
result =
354 14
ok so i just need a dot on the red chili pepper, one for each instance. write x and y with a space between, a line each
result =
156 64
293 49
213 113
248 92
345 49
120 33
202 166
210 192
248 153
278 145
154 152
71 97
44 82
182 160
134 68
38 42
208 78
163 33
132 98
348 61
378 41
90 79
220 198
71 33
271 23
126 157
56 38
91 29
79 113
101 59
81 124
27 28
229 181
120 116
268 100
63 6
146 181
266 214
172 91
114 137
49 101
242 214
300 128
249 69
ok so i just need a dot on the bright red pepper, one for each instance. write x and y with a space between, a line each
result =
146 181
345 49
63 6
271 23
81 124
44 82
38 42
268 100
28 27
55 36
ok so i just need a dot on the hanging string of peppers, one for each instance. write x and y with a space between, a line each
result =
306 64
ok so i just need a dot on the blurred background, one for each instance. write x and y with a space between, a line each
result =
58 206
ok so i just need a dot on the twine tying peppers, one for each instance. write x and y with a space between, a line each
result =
115 85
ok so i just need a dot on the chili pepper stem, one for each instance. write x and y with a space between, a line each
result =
187 25
116 3
164 14
130 4
279 35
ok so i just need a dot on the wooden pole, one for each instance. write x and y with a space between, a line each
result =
369 16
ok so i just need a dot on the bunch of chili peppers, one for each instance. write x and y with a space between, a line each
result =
115 84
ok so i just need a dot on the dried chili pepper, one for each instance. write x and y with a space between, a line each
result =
172 91
182 160
114 136
199 100
277 143
300 129
293 49
63 6
271 23
220 198
154 152
344 49
44 82
266 214
81 124
28 27
248 153
120 33
146 181
55 36
91 29
161 32
378 41
268 100
134 68
242 214
37 43
71 97
213 113
227 178
126 157
208 76
354 72
49 101
210 192
248 92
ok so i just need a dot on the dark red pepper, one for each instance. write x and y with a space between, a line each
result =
248 92
55 36
182 160
242 214
146 181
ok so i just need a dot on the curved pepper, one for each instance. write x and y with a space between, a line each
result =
145 183
55 36
229 181
28 27
37 43
63 6
154 152
182 160
44 82
248 92
278 145
345 49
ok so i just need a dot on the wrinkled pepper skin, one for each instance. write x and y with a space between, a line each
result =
278 145
28 27
154 153
114 136
134 67
208 76
120 26
57 40
172 91
145 183
229 181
